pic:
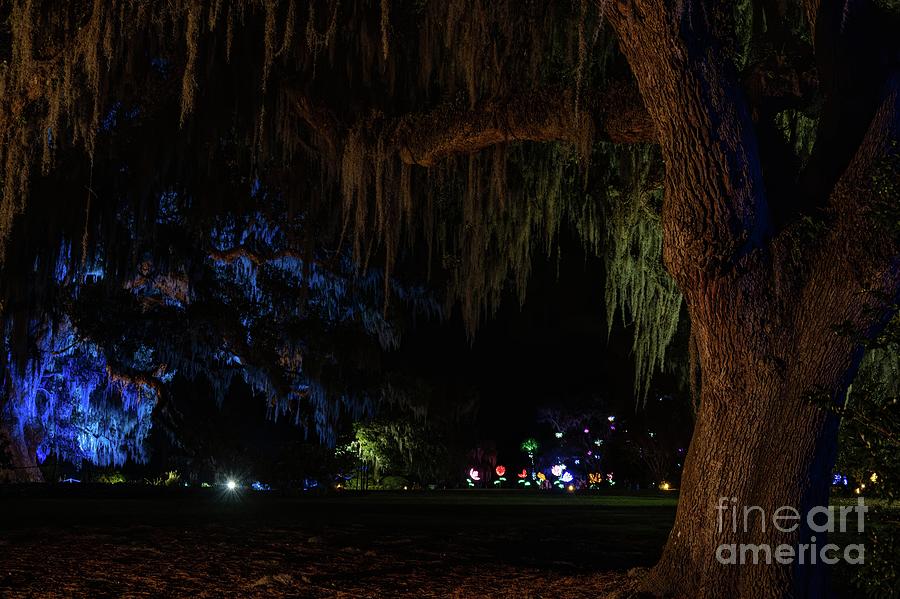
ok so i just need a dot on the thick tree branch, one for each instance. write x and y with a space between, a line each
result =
850 42
148 380
811 8
862 247
230 255
853 269
715 208
616 114
171 285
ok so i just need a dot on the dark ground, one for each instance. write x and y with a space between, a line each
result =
81 541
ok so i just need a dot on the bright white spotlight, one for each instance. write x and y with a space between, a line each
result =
231 485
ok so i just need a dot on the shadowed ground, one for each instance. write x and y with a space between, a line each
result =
120 541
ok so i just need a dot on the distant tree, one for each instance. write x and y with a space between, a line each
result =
870 429
403 447
869 446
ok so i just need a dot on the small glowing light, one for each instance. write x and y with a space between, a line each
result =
874 477
473 474
566 477
500 470
857 490
231 485
529 446
570 488
664 486
405 488
612 418
587 430
559 435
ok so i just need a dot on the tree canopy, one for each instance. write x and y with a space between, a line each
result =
272 190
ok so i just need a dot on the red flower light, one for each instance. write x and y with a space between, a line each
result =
523 474
500 470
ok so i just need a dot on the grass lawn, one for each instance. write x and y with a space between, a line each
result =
138 541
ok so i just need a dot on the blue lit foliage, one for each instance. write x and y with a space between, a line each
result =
66 403
254 266
277 318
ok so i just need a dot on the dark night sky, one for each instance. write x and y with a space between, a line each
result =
552 350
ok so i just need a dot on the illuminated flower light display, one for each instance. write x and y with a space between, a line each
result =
595 478
541 476
474 475
567 477
530 446
523 473
501 471
557 470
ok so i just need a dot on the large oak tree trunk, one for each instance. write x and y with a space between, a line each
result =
765 303
19 464
761 440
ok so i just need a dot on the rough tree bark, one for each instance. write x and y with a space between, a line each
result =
18 465
764 304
